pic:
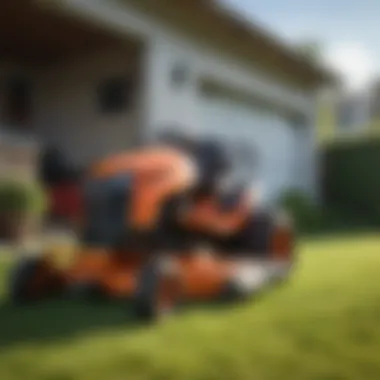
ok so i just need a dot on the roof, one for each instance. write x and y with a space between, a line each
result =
252 30
249 37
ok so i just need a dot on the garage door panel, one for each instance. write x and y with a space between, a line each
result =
271 137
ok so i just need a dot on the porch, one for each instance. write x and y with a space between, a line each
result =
66 82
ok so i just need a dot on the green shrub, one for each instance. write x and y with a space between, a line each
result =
307 215
19 197
352 178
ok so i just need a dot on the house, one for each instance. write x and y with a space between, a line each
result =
352 114
98 76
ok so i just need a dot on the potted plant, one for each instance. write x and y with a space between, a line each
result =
20 205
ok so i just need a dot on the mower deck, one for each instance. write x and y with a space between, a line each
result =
192 277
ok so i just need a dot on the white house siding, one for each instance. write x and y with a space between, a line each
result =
67 110
165 103
203 61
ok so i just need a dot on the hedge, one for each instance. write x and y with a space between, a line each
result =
351 177
307 216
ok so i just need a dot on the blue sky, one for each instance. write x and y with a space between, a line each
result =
349 30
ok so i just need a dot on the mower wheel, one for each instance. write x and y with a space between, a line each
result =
23 278
232 293
159 290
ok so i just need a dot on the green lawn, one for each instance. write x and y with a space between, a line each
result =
325 324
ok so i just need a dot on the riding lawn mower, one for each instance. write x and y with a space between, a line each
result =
156 230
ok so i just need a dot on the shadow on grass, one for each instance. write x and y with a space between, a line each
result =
66 318
60 319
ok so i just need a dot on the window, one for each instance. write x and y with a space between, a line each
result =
17 102
114 95
179 74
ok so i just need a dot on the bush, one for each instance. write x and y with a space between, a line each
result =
21 198
307 215
351 178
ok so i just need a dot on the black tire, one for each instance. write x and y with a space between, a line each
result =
146 303
21 278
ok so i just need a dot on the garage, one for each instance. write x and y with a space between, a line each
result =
269 134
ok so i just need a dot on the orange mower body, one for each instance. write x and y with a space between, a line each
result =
134 190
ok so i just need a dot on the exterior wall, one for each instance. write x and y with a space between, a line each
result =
165 102
67 111
65 108
167 47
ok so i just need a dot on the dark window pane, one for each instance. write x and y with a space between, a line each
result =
114 95
18 101
179 75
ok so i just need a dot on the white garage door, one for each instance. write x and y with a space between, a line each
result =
270 136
